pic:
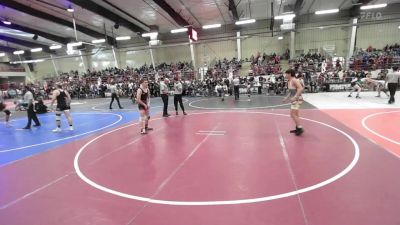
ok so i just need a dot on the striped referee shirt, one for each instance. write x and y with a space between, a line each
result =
178 88
393 77
164 88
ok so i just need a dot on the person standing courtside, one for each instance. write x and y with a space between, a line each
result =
164 90
114 95
392 80
3 108
236 83
294 96
63 105
28 99
178 89
143 100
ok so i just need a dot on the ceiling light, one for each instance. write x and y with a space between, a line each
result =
153 34
28 61
75 44
241 22
98 41
365 7
19 52
285 16
6 22
2 54
123 38
70 9
53 47
155 42
280 38
36 50
211 26
179 30
327 11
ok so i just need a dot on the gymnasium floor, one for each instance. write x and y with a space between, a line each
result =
225 163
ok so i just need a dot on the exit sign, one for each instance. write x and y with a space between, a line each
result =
192 34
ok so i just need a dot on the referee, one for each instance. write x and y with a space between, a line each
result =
114 95
28 99
164 90
392 79
178 89
236 83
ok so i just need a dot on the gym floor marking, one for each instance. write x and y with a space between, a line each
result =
364 124
131 109
70 137
191 104
229 202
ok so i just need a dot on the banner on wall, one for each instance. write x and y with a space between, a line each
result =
7 67
329 48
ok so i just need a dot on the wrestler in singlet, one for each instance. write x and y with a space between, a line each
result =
62 102
143 97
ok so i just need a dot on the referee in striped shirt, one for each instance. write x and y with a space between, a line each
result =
178 89
164 90
392 79
114 95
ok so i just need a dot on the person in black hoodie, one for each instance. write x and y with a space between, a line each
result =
40 107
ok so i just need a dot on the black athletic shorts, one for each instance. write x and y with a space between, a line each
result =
7 112
63 108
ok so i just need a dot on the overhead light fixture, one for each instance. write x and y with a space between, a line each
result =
53 47
2 54
280 38
285 16
98 41
19 52
241 22
152 34
70 9
28 61
6 22
36 50
211 26
328 11
155 42
74 44
181 30
377 6
123 38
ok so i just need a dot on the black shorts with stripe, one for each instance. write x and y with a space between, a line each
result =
63 108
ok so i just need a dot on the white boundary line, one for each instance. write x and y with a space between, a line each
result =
211 131
364 124
66 138
185 100
228 202
290 169
211 134
235 108
72 172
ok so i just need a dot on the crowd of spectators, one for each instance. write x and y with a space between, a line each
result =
314 68
373 59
